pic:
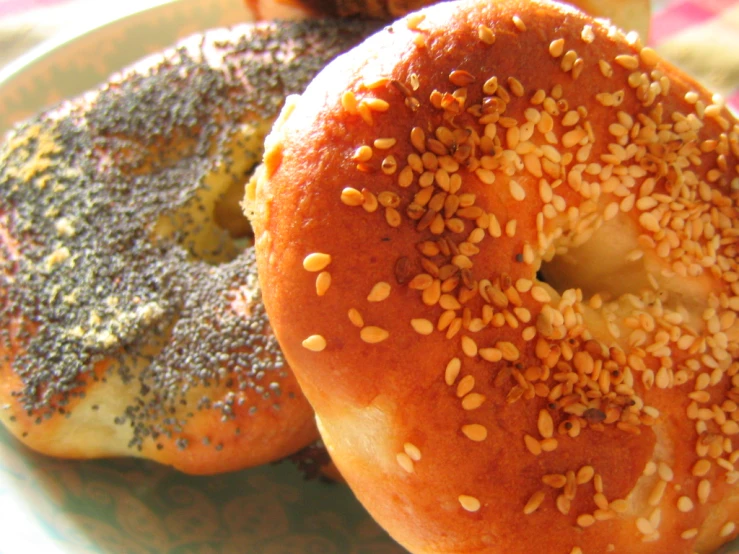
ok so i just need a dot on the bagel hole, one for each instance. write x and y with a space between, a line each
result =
606 265
601 265
211 226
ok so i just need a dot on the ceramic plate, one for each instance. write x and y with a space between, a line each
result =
132 506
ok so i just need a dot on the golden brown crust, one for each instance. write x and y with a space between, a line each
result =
407 203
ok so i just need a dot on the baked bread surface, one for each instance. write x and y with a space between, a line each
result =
497 243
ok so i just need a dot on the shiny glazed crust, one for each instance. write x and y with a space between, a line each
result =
498 245
132 316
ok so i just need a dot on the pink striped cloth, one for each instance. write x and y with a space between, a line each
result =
9 7
702 37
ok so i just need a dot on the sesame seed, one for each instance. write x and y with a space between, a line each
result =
554 480
649 222
370 204
472 401
649 56
490 354
644 526
568 60
556 47
619 506
585 474
689 533
516 86
323 282
684 504
405 462
380 291
704 490
466 384
356 318
352 197
627 61
727 529
413 452
349 102
405 177
665 472
486 34
532 445
422 326
421 281
605 68
461 78
540 294
545 425
517 191
414 20
317 261
469 503
469 346
534 502
475 432
508 351
379 82
657 492
490 86
389 165
572 138
384 143
563 504
373 335
315 343
485 175
362 154
587 35
451 372
518 22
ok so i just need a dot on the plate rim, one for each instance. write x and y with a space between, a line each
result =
48 46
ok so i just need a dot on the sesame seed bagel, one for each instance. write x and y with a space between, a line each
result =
132 321
498 246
